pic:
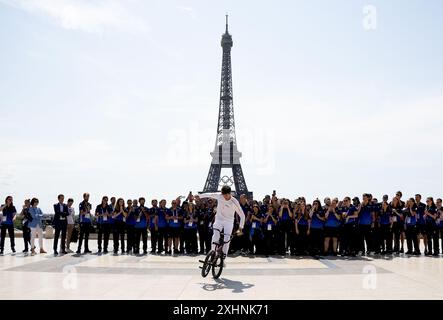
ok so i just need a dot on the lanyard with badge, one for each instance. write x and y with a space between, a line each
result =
87 209
141 211
175 215
190 223
105 214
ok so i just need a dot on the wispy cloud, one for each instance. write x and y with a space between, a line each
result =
89 16
188 10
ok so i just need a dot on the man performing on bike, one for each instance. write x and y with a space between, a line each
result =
227 206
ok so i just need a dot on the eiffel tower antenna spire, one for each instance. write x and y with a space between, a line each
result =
226 23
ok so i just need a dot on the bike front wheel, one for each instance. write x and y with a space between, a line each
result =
207 264
217 266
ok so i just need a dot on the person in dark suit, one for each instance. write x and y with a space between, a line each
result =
60 223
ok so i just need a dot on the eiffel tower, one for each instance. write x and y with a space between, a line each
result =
225 154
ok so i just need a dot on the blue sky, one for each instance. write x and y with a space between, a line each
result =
121 97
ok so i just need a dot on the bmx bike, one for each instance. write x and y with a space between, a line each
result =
215 258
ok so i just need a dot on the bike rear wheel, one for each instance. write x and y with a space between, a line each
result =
217 266
207 264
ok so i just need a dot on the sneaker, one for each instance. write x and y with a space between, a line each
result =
42 251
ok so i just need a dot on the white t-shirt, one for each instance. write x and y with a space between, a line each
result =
226 209
70 217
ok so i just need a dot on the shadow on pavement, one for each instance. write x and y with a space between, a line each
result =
223 283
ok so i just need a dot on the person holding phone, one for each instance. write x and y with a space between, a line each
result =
332 224
286 228
317 217
7 223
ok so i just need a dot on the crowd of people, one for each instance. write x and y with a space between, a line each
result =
273 226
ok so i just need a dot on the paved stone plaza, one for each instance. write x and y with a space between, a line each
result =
160 277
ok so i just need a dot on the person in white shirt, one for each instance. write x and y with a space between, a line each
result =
227 206
70 219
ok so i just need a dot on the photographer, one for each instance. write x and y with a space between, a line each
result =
316 231
286 227
332 225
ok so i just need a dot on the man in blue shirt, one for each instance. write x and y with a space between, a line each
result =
384 219
153 229
160 222
348 246
366 219
60 223
421 225
103 212
175 219
141 225
85 223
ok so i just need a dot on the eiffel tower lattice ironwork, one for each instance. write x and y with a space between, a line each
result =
225 154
